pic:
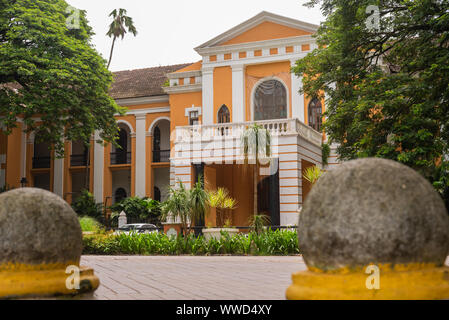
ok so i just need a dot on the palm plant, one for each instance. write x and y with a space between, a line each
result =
256 143
198 198
312 174
120 25
223 203
178 206
258 221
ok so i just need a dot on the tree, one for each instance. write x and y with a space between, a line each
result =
256 143
50 74
385 73
120 25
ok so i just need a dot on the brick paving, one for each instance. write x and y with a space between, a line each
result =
193 278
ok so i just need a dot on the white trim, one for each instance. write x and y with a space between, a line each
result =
191 109
258 60
154 123
141 100
296 42
254 21
131 130
183 89
253 92
146 111
186 74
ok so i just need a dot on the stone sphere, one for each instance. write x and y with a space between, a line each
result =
373 211
38 227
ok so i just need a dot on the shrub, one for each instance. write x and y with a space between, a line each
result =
89 224
85 205
137 208
278 242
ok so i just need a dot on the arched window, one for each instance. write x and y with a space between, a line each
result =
157 194
224 115
120 194
121 154
315 114
270 101
157 139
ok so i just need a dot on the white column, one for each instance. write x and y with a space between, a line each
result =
98 169
208 95
297 98
238 93
23 153
140 155
58 177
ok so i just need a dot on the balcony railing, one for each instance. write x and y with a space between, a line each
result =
41 162
279 127
161 156
78 160
120 158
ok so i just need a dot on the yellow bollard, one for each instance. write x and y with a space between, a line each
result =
372 229
40 247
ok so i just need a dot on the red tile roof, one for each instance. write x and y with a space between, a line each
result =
141 82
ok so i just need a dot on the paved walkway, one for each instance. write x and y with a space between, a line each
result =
193 278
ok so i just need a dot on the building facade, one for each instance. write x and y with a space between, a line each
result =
188 120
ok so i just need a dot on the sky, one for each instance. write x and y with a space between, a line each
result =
168 31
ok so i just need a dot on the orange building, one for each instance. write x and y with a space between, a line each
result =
186 120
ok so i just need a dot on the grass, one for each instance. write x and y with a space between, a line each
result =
89 224
278 242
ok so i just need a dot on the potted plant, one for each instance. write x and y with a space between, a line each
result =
223 204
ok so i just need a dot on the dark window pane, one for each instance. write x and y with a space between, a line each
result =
315 114
270 101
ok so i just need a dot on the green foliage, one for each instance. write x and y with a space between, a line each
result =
312 174
187 205
387 88
256 143
89 224
198 201
137 208
85 205
223 203
258 222
51 70
325 153
178 205
278 242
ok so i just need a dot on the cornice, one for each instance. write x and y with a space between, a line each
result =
184 89
141 100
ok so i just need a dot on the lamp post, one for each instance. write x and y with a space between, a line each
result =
23 182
